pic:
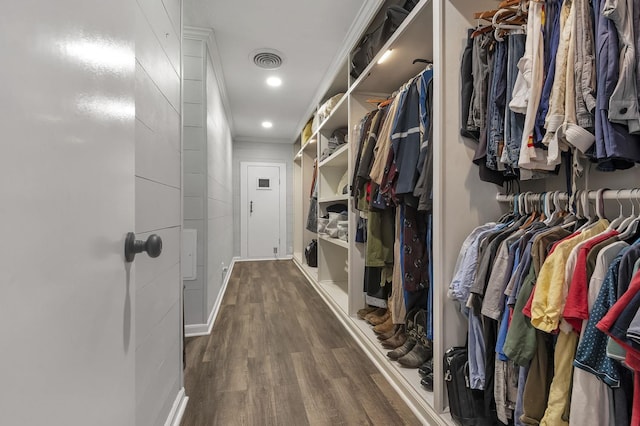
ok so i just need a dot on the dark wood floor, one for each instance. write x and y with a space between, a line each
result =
278 356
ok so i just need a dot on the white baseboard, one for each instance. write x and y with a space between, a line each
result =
193 330
262 259
177 410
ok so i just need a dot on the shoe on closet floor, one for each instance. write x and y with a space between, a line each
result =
427 382
426 368
385 327
401 351
366 311
378 319
419 355
378 312
395 341
389 334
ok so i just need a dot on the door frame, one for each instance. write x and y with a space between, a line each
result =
244 167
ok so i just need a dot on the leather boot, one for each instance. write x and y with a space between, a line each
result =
376 315
375 320
418 355
385 327
389 334
395 341
401 351
365 311
423 349
426 368
427 382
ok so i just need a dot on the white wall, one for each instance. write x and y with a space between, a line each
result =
207 174
158 318
195 173
262 152
219 195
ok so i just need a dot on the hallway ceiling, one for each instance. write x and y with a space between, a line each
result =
311 34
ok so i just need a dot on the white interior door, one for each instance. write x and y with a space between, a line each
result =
67 191
263 210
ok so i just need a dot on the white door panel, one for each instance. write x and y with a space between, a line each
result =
263 222
263 209
67 173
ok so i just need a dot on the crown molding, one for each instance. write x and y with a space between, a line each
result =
362 20
197 33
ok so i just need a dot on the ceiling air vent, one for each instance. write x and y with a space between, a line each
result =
268 59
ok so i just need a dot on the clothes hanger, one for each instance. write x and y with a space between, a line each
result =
626 222
618 220
632 228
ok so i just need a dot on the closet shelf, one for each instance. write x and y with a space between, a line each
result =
413 39
339 158
310 145
338 197
337 119
338 242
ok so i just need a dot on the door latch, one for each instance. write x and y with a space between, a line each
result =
251 207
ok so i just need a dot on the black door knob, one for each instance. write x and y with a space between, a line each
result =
153 246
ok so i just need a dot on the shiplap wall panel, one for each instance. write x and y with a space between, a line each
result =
151 55
220 186
173 8
158 209
195 174
148 269
157 205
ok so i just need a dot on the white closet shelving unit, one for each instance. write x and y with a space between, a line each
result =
435 30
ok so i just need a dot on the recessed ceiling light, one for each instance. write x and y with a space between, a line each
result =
274 81
267 124
384 56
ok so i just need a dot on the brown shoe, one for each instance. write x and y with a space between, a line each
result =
366 311
378 319
385 327
396 340
389 334
377 313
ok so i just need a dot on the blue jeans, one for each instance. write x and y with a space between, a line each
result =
495 120
552 39
514 121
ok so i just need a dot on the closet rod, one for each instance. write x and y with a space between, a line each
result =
608 194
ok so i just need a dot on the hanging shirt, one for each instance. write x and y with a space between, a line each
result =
576 308
548 302
592 350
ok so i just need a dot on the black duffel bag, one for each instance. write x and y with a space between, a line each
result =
465 404
311 253
371 43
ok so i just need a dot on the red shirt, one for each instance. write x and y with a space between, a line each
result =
576 307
